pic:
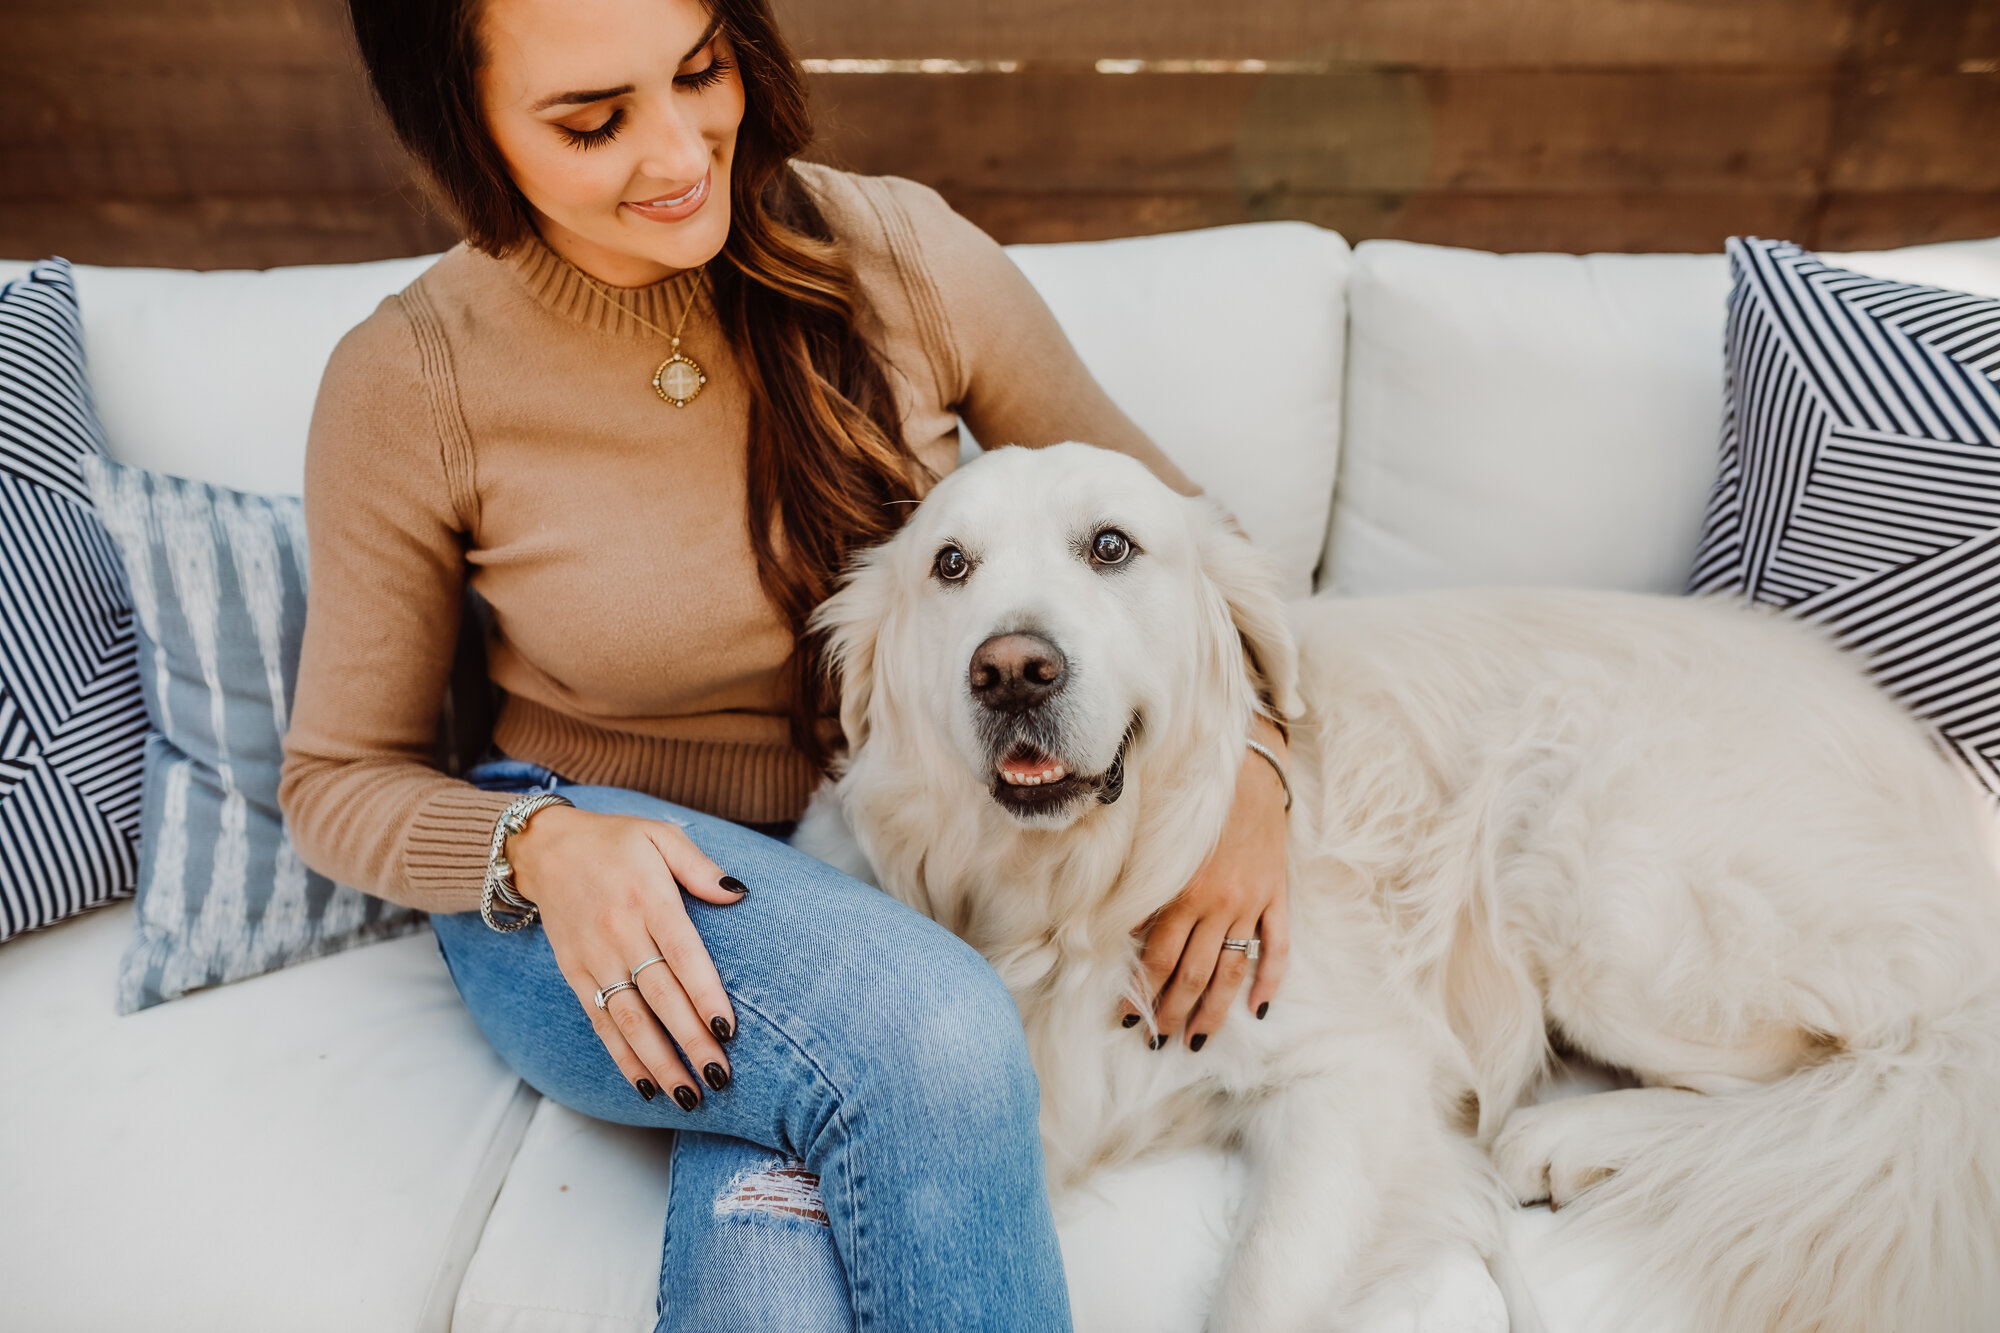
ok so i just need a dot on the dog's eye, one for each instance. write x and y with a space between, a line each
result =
951 564
1110 547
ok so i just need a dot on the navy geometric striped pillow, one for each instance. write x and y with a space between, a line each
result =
1859 484
72 720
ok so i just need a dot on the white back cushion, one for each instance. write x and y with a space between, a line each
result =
1544 419
212 375
1225 347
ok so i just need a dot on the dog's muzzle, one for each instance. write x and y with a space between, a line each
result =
1048 795
1017 681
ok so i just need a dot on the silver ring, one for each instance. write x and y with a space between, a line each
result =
1250 948
612 990
656 958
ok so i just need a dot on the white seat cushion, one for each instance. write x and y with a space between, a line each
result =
573 1242
311 1150
1544 419
1224 346
573 1245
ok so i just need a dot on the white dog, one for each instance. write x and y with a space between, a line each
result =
1692 840
1043 807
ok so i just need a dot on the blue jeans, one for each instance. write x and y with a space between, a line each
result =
874 1050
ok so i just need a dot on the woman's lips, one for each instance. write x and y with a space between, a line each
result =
672 208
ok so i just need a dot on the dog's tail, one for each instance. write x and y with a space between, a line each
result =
1858 1196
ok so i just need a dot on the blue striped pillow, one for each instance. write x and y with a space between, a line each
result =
1859 485
218 580
71 719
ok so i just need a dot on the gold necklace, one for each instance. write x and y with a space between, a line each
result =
680 377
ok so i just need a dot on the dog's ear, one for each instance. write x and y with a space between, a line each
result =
1247 581
849 622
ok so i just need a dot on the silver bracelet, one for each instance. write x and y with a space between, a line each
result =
500 872
1279 768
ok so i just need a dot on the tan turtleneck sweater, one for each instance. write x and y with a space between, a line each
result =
496 421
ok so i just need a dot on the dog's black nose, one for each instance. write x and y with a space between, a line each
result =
1011 672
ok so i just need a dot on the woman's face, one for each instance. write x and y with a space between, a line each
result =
617 120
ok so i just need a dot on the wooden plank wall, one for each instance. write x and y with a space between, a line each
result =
239 132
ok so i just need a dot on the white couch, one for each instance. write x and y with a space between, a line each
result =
333 1147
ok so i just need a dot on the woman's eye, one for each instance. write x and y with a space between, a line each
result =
951 564
591 138
1110 547
703 78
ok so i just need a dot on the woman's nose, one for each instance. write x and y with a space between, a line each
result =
676 151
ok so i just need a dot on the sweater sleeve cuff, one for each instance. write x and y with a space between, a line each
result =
444 857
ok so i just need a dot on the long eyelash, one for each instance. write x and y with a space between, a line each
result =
605 133
703 78
588 139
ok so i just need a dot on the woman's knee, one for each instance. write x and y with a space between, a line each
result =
953 1049
749 1244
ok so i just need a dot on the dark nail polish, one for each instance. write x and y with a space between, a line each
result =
715 1076
720 1027
1197 1041
733 884
1263 1008
646 1089
685 1096
1157 1040
1130 1021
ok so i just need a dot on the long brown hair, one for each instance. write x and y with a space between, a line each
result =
829 471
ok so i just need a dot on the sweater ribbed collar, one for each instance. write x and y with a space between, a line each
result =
557 284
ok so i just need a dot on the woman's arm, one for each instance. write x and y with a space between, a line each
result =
389 499
1238 894
1019 380
383 521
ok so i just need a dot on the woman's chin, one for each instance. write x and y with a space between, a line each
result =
678 245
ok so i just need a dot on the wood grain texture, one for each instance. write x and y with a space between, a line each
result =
1558 132
240 132
225 231
1899 131
1882 221
1938 35
150 132
1452 34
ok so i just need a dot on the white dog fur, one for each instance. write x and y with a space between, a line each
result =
1690 839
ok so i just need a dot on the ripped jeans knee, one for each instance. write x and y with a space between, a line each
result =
779 1187
748 1246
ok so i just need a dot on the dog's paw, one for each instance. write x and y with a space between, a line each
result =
1549 1154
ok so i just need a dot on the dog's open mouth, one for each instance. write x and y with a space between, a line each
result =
1027 779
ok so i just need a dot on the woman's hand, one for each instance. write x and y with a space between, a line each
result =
609 890
1239 893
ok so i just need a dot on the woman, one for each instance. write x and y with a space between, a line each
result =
670 382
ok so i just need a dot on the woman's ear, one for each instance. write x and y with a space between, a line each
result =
850 622
1247 581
